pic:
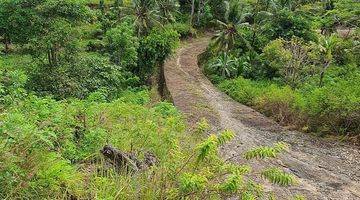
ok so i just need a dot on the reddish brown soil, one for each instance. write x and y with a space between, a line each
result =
325 169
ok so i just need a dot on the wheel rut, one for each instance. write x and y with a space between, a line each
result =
325 169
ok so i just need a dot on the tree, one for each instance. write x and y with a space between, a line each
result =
58 43
286 24
224 40
57 36
323 55
290 59
18 22
167 9
145 15
218 9
122 45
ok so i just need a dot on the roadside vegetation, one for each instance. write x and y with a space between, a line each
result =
295 61
78 118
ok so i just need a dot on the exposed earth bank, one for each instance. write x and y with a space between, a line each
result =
325 169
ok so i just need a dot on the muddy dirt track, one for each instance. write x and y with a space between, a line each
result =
325 169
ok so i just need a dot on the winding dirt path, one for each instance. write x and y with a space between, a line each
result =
325 170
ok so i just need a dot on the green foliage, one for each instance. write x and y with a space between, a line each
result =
279 177
43 140
283 104
50 150
289 59
192 183
266 152
286 24
202 127
218 9
185 30
242 90
154 49
17 21
11 85
329 109
79 79
122 46
223 66
335 107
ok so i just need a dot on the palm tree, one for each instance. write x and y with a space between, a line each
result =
225 66
144 13
167 9
234 17
325 48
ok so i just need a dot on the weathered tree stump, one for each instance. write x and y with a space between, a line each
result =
127 161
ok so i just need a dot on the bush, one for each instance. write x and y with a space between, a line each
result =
289 60
50 150
122 46
184 29
286 24
243 90
154 49
334 108
44 139
89 74
283 104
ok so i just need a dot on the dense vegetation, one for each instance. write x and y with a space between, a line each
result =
78 117
296 61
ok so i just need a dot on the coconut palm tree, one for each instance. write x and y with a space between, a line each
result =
167 9
144 13
224 40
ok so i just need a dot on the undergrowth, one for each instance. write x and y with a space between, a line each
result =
51 150
333 108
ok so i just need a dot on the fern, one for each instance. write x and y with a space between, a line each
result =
202 127
232 184
192 182
225 137
279 177
207 147
212 143
237 169
266 152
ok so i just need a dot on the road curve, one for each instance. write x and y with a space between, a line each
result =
325 170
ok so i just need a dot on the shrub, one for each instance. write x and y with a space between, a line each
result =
184 29
89 74
122 46
286 24
11 85
243 90
50 150
334 108
281 103
154 49
289 60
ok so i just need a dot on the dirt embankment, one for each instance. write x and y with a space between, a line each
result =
325 170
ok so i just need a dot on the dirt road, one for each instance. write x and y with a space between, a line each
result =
325 170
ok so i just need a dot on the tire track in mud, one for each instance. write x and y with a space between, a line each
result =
325 169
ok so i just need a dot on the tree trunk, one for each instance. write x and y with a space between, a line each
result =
200 10
322 74
7 44
192 12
